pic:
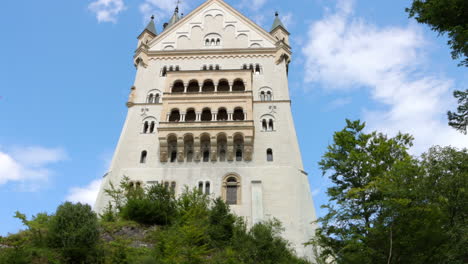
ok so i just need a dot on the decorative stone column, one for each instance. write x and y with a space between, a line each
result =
163 151
196 149
182 117
198 118
185 87
248 148
230 116
230 149
180 149
213 116
214 149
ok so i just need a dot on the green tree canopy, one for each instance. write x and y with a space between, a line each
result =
445 16
459 119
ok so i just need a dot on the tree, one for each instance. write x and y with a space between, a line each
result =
74 231
389 207
459 120
445 16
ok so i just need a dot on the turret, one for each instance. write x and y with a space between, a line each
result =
148 33
279 31
174 19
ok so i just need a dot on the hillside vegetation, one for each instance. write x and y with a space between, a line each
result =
146 226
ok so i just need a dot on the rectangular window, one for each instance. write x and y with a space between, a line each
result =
231 195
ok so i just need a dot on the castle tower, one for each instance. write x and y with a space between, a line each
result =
210 109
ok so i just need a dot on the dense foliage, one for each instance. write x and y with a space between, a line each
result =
445 16
147 226
459 119
389 207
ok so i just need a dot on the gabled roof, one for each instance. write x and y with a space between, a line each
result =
179 20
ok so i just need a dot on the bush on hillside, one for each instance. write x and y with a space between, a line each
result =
74 231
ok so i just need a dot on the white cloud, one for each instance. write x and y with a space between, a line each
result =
107 10
162 9
344 52
86 195
288 20
28 165
253 4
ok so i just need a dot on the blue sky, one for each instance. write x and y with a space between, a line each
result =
66 68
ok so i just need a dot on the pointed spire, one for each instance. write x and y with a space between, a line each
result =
277 22
175 17
151 27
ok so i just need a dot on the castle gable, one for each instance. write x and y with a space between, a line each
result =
213 25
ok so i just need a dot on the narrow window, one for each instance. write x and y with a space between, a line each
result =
164 71
150 99
145 127
190 116
218 42
206 156
268 96
206 115
177 68
171 68
213 42
156 99
231 191
222 155
173 186
270 125
174 116
200 187
257 69
244 67
239 155
151 130
143 157
166 185
269 155
251 67
264 125
262 96
189 156
207 188
217 67
211 67
173 156
207 42
205 68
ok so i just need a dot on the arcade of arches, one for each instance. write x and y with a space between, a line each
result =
206 148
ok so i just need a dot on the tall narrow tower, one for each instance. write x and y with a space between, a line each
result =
210 109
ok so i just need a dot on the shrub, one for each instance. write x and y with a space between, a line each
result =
74 232
221 223
154 206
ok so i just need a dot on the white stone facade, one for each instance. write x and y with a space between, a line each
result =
265 189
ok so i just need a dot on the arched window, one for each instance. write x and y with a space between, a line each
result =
223 86
188 147
238 86
150 99
173 186
218 42
200 187
156 99
262 96
178 87
251 67
205 143
213 42
217 67
244 67
193 87
269 155
264 125
164 71
145 127
257 69
207 187
143 156
171 68
206 115
208 86
205 68
151 130
270 125
174 116
207 42
211 67
222 114
177 68
268 96
231 190
190 116
238 114
239 146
